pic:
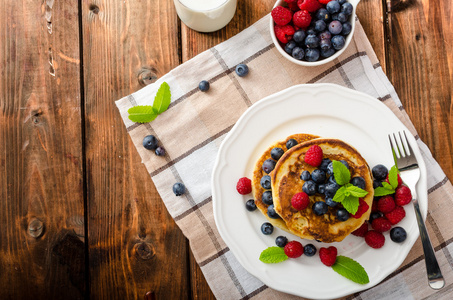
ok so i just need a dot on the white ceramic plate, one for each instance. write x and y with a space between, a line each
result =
326 110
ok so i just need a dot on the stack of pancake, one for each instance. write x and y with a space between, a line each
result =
286 181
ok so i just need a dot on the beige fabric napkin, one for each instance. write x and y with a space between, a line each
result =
195 124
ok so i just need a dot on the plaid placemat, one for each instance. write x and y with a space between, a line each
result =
195 124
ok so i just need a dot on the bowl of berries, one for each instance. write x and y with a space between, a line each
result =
312 32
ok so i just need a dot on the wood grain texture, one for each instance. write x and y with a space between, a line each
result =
135 246
42 250
420 67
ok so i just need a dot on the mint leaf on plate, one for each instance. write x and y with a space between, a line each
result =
393 177
162 99
341 173
351 204
385 189
350 269
142 113
273 255
356 191
340 194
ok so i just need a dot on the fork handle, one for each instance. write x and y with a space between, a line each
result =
435 279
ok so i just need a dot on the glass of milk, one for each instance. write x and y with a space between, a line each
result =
205 15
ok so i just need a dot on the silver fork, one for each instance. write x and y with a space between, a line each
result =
410 174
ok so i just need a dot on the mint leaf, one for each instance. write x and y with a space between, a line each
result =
393 177
341 173
340 194
387 186
142 114
356 191
273 255
162 99
351 204
380 191
352 270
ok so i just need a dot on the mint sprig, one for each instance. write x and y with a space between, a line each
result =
390 187
352 270
341 173
147 113
273 255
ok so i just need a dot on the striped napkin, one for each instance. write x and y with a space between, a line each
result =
195 124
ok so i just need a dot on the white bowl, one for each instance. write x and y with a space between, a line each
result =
322 61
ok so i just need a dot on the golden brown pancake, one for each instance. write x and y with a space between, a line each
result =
286 182
258 173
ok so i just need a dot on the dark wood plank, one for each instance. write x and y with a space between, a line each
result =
134 244
42 250
421 68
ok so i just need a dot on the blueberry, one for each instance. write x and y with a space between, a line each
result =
341 17
330 202
305 176
268 165
324 163
276 153
331 189
271 213
320 208
330 168
267 198
342 1
299 36
179 189
322 14
150 142
345 163
333 7
203 86
376 183
160 151
338 42
281 241
311 31
298 53
318 176
374 215
291 143
346 8
250 205
325 44
309 250
312 41
380 172
347 27
334 17
309 187
327 53
267 228
398 234
312 55
331 179
358 182
242 70
266 182
320 26
335 27
321 188
342 214
290 46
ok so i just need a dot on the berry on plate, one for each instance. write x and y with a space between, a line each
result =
374 239
398 234
300 201
403 195
328 256
363 208
293 249
396 215
361 231
313 156
386 204
244 186
381 224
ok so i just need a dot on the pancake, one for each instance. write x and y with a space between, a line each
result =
286 182
258 173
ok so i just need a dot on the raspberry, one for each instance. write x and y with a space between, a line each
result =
396 215
363 208
403 195
324 1
386 204
290 1
281 15
294 249
374 205
244 186
328 256
310 5
313 156
284 33
300 201
302 19
293 6
381 224
374 239
362 230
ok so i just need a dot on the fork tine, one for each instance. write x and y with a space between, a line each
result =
393 150
409 148
397 146
403 147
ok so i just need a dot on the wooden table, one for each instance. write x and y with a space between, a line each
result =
79 215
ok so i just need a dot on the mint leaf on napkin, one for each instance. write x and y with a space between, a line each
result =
147 113
273 255
352 270
341 172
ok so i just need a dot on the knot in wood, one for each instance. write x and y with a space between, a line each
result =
35 228
144 250
147 76
94 9
150 296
